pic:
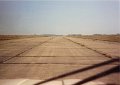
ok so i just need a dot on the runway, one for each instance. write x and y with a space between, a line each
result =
47 57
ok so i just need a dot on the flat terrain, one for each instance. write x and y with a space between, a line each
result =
110 38
48 57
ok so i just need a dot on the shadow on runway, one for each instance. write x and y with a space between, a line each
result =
115 69
102 74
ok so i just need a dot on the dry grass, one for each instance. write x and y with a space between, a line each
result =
10 37
110 38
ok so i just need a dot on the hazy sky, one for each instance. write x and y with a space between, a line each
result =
59 17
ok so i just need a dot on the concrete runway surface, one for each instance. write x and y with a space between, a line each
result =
49 57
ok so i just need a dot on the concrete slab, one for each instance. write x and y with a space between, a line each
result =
12 81
109 48
32 82
73 81
54 82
